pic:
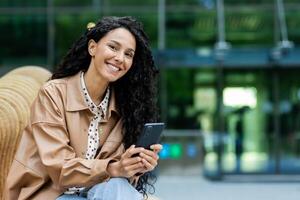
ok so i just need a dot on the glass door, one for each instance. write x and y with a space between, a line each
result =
248 111
289 113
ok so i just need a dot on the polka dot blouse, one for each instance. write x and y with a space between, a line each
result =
94 130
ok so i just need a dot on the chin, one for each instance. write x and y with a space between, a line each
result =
113 78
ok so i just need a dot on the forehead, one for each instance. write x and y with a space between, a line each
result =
122 36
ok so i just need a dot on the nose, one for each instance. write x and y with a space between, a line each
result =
119 57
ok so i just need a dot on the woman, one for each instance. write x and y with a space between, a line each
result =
84 122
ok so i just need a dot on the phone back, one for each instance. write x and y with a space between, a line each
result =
151 134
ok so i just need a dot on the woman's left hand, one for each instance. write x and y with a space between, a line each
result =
150 157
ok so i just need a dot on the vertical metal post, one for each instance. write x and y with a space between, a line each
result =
283 46
284 43
220 118
276 121
281 20
221 21
221 44
161 24
161 47
220 49
51 34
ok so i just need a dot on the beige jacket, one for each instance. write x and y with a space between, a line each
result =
50 156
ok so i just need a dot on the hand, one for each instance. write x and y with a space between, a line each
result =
150 158
128 165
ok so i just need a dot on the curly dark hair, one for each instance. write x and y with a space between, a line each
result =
135 92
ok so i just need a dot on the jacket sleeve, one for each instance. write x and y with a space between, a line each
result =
52 140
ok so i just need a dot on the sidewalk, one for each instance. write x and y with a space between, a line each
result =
198 188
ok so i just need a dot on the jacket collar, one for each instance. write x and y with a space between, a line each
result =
75 101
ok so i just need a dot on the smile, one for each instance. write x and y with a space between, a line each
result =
113 68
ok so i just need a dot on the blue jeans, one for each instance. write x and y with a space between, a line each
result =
114 189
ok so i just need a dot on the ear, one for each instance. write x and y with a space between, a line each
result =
92 45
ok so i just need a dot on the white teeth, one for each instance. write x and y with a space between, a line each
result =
113 68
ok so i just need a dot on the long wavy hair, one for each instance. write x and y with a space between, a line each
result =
135 91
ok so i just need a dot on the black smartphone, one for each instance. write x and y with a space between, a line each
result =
150 135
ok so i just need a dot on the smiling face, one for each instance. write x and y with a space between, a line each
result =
112 55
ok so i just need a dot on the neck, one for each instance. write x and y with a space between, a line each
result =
95 86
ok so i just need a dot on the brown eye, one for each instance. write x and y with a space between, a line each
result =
129 55
112 47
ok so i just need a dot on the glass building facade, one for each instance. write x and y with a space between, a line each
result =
232 111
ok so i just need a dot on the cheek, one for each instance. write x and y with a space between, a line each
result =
106 53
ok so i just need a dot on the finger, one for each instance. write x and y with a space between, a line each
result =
138 171
125 154
150 159
149 166
135 151
131 161
132 151
150 153
156 147
134 167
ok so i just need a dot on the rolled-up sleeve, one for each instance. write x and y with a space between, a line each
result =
52 140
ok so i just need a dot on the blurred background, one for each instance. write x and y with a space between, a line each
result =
229 88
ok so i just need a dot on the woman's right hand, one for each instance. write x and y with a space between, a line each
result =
128 165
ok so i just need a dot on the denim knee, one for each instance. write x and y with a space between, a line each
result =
114 189
70 197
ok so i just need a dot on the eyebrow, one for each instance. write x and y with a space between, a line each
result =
130 49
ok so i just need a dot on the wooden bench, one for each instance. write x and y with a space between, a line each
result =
18 88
